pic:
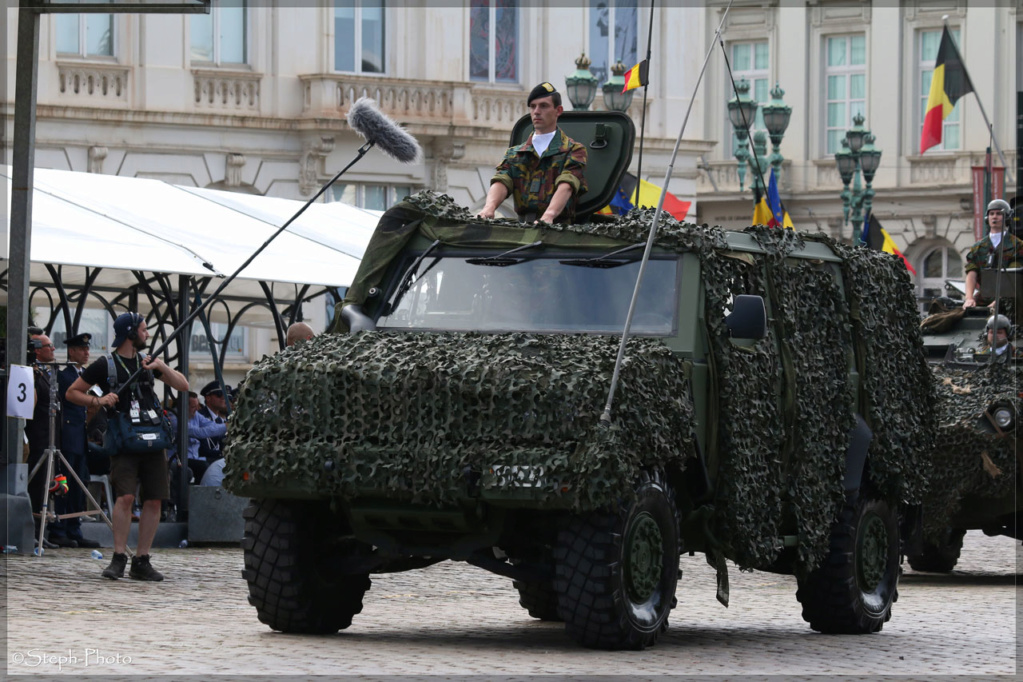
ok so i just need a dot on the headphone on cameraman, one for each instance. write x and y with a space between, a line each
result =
136 320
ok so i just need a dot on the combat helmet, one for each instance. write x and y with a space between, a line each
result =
1000 205
997 322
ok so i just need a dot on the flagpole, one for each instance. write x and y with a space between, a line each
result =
605 418
983 113
642 122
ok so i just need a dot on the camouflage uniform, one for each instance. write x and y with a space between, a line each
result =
983 255
532 181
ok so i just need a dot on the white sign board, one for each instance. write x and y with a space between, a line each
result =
21 392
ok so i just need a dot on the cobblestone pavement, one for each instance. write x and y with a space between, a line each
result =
452 619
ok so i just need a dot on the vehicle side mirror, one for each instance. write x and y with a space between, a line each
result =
748 319
357 320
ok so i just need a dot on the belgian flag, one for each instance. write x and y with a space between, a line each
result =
878 239
949 82
636 77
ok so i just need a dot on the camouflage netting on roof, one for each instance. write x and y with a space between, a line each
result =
485 393
420 416
970 458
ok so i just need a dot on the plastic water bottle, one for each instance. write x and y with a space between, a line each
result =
38 551
10 549
183 544
96 554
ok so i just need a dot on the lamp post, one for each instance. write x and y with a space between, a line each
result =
776 119
581 85
858 154
614 98
741 111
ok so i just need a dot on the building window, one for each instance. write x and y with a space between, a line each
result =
85 35
372 197
614 28
359 36
222 36
94 321
937 265
750 61
494 41
200 346
845 85
950 135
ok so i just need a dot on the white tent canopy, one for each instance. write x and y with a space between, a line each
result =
123 224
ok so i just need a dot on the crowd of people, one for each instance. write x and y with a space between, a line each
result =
117 392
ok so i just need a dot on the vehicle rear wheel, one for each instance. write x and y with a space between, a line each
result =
288 569
539 599
853 590
615 574
939 558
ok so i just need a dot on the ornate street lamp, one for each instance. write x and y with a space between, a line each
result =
776 119
858 154
742 109
614 98
581 85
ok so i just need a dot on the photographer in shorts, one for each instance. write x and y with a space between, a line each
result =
137 402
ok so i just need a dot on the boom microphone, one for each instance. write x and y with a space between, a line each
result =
378 129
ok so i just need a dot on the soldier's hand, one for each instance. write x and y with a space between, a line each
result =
109 400
486 213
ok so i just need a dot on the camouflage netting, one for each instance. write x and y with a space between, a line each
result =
433 409
970 458
536 398
894 374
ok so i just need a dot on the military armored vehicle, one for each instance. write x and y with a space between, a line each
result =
975 479
768 414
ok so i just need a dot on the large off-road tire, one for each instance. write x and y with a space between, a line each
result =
853 590
288 549
615 573
939 558
539 599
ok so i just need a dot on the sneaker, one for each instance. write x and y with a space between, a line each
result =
85 542
141 569
116 568
62 541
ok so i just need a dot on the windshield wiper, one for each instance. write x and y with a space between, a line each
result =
501 259
406 280
605 260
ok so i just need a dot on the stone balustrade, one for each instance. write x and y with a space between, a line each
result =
93 82
229 91
418 102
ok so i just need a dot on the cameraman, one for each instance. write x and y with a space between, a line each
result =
130 469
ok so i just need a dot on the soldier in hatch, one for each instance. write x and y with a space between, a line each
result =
544 174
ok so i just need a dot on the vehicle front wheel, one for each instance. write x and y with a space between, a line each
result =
615 574
939 558
290 560
853 590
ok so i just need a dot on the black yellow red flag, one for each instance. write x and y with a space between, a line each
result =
636 77
949 82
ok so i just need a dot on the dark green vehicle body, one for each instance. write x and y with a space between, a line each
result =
767 413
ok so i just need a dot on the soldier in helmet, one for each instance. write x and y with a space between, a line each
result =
984 253
544 174
999 333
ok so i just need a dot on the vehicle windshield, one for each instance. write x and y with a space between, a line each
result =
538 294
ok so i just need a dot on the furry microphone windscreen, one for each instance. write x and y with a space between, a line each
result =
366 120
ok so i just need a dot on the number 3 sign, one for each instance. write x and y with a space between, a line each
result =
21 392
